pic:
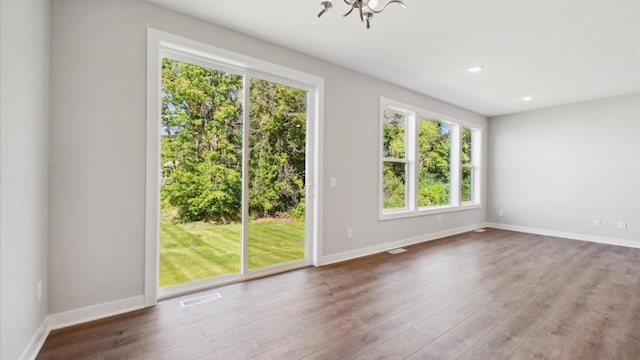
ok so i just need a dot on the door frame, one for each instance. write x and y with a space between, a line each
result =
161 44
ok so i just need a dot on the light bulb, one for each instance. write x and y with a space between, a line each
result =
372 4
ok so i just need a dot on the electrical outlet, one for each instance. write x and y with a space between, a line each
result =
349 233
333 182
500 213
597 222
622 225
39 291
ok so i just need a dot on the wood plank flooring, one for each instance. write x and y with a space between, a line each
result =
491 295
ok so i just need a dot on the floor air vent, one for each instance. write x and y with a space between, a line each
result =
200 300
397 251
479 230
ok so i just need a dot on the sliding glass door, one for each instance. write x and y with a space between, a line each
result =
234 158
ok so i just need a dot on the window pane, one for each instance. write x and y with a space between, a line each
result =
434 140
467 169
201 164
278 119
466 146
394 134
394 185
466 183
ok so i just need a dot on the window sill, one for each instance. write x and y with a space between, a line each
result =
400 214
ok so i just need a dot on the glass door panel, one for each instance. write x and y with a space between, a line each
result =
276 183
201 166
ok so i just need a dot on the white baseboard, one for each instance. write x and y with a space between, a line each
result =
567 235
95 312
79 316
353 254
37 341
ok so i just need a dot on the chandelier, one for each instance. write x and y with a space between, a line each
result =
366 8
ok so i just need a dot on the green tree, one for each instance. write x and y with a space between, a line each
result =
202 144
433 165
394 141
465 159
434 140
277 142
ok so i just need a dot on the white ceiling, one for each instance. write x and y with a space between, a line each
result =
559 51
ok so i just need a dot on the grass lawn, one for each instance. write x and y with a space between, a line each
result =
198 250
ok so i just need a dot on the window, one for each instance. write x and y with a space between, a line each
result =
429 163
394 162
466 161
434 163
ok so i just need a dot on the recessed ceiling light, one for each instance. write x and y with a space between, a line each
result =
476 68
527 98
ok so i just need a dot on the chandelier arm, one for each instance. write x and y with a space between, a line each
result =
399 2
348 12
350 2
323 11
361 14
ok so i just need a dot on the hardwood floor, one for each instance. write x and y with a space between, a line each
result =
492 295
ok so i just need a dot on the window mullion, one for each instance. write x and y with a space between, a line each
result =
386 159
246 133
412 157
477 166
455 161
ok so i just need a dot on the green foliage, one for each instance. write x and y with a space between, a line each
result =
467 173
434 151
432 194
394 135
393 176
202 144
466 146
277 141
394 140
434 154
298 211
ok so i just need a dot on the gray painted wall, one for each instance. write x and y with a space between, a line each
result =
24 114
97 148
563 167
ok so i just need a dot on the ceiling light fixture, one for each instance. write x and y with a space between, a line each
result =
476 68
527 98
366 8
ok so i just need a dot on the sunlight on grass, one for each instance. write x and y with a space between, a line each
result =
198 250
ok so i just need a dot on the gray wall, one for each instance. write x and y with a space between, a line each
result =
98 147
24 107
561 168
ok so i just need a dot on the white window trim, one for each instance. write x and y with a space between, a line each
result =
416 114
